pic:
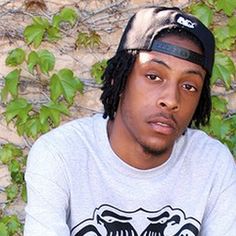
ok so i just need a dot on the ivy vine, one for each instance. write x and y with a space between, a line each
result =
63 85
223 121
30 120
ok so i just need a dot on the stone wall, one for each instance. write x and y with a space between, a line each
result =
105 17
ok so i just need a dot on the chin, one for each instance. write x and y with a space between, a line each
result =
154 150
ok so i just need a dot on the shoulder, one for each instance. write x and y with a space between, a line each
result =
202 141
208 158
69 138
203 148
72 131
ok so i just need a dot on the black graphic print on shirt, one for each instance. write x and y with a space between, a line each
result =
110 221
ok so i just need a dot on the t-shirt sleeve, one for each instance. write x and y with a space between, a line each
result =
47 193
220 216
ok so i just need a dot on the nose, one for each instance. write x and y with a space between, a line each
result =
169 98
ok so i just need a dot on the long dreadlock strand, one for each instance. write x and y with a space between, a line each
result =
114 80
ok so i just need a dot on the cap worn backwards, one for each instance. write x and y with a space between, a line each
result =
146 24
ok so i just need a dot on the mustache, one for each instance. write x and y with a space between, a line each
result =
162 116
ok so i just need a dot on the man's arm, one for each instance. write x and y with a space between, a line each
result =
220 217
47 193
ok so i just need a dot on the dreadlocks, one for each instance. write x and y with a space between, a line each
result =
114 80
119 68
203 110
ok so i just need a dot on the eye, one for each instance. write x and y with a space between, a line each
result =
153 77
190 87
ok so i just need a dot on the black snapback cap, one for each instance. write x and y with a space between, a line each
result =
145 25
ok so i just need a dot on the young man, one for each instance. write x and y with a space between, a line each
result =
140 169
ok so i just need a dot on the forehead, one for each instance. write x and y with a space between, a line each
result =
174 62
176 65
152 60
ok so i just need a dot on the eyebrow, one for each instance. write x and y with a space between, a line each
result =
196 72
159 62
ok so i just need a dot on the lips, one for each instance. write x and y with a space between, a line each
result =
163 124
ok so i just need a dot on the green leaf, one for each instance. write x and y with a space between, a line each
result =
219 127
12 191
32 127
17 177
225 61
228 6
53 34
24 192
220 72
66 15
232 120
19 109
203 12
46 61
82 39
224 69
97 70
56 20
14 166
34 34
230 142
227 44
33 60
79 85
225 129
232 26
69 15
15 57
37 20
63 84
215 123
8 152
53 112
221 33
219 104
11 84
211 2
95 39
232 21
6 155
3 230
12 223
223 37
4 94
43 58
45 127
88 39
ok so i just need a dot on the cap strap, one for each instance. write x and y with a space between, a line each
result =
177 51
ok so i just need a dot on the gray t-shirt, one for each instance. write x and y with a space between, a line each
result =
77 185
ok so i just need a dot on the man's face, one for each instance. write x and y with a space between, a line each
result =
160 98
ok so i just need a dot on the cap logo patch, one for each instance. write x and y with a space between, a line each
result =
186 22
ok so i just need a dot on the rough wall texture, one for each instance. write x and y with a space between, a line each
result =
106 17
